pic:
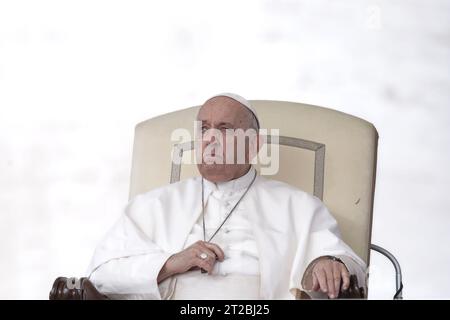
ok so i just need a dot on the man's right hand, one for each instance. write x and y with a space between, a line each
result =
189 259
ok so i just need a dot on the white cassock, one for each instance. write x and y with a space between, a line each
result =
274 233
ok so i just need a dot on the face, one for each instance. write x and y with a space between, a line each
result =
226 151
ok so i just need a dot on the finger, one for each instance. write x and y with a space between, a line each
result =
345 278
315 285
193 268
337 278
322 278
217 250
203 264
196 257
200 247
330 280
211 255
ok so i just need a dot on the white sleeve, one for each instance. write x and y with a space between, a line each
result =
133 277
127 261
324 239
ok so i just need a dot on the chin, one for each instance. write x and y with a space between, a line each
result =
213 172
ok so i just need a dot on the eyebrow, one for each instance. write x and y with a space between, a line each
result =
220 123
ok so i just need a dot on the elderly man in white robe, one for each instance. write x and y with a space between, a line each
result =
228 234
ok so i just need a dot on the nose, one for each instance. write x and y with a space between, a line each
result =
209 137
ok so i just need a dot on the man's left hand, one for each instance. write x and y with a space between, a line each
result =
328 275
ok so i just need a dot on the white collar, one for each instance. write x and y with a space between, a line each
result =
233 185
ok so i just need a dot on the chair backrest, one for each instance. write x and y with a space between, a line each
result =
322 151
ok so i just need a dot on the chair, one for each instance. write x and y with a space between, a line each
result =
325 152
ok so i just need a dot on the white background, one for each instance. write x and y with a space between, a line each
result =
76 76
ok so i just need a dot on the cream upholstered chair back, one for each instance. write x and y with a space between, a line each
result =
322 151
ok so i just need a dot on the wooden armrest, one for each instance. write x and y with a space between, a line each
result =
75 289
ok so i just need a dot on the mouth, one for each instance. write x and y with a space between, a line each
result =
211 159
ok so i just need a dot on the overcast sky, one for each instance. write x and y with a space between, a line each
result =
76 76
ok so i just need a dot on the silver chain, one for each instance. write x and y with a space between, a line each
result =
228 215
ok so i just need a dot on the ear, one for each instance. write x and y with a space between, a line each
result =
261 139
256 143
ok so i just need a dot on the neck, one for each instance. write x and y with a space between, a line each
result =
235 181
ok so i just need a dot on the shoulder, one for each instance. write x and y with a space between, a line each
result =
302 204
286 191
163 192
